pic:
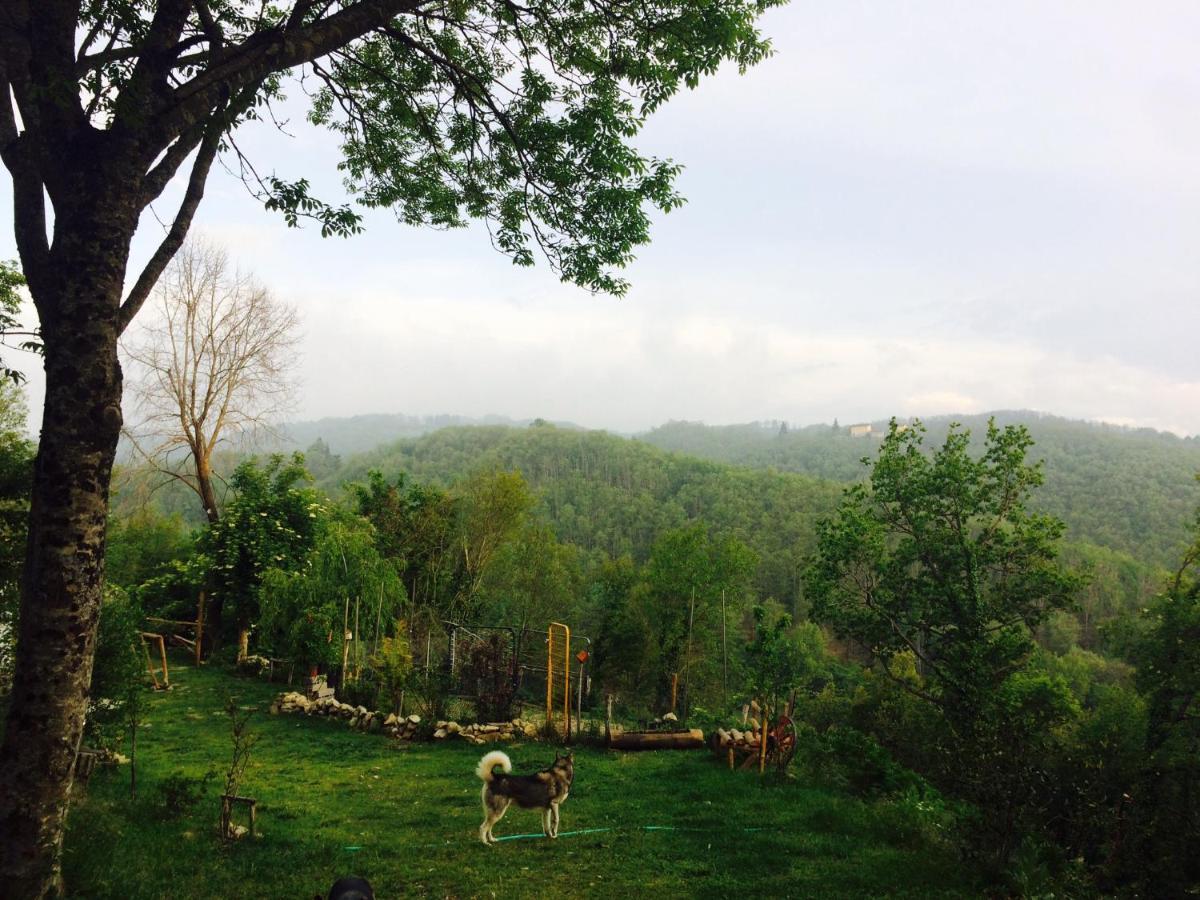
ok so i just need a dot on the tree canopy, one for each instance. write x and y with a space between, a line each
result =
518 114
938 557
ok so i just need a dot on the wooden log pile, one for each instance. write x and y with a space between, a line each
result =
742 740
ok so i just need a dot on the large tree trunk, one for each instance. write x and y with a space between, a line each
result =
204 486
77 296
208 496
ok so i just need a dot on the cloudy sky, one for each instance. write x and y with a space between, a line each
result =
913 208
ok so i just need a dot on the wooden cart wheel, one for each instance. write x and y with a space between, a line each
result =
783 742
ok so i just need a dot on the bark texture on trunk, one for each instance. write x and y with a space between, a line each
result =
204 485
77 300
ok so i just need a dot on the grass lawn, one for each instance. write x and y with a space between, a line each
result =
333 802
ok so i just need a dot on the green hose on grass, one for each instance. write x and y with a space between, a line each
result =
538 834
519 837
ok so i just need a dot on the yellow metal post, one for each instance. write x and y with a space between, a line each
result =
558 628
550 679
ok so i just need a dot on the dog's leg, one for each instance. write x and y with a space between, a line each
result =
486 827
495 814
485 830
554 820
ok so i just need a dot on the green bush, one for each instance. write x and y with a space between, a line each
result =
917 817
847 758
179 793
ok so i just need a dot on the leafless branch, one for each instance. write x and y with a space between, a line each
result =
217 362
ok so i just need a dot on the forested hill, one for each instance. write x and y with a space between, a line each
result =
611 495
358 434
1130 490
614 495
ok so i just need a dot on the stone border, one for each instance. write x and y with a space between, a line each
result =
406 728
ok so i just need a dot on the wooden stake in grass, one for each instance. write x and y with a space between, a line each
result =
579 700
199 628
357 643
378 620
149 637
762 748
345 638
687 660
724 657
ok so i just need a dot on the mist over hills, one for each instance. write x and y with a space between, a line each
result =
1132 490
1129 490
358 434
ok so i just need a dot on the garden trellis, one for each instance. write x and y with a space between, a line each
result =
537 665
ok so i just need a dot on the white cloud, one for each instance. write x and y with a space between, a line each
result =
625 367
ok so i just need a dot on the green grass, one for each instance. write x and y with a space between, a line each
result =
333 802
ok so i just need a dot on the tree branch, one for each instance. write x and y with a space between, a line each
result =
155 57
102 58
29 199
276 50
157 179
179 227
212 28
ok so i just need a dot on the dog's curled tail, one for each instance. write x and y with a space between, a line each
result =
490 761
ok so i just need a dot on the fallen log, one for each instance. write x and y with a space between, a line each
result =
658 740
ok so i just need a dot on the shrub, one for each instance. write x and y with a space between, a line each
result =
392 665
917 817
179 793
849 759
432 692
119 669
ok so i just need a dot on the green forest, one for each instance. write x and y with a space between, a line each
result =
741 580
1126 489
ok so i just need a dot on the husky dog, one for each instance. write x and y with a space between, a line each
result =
544 790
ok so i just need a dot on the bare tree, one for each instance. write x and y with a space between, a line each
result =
217 363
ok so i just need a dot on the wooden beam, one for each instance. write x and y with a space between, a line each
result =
659 740
154 637
200 628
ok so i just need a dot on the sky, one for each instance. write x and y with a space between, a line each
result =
912 208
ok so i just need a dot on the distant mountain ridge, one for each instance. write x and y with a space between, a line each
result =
345 436
1130 489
